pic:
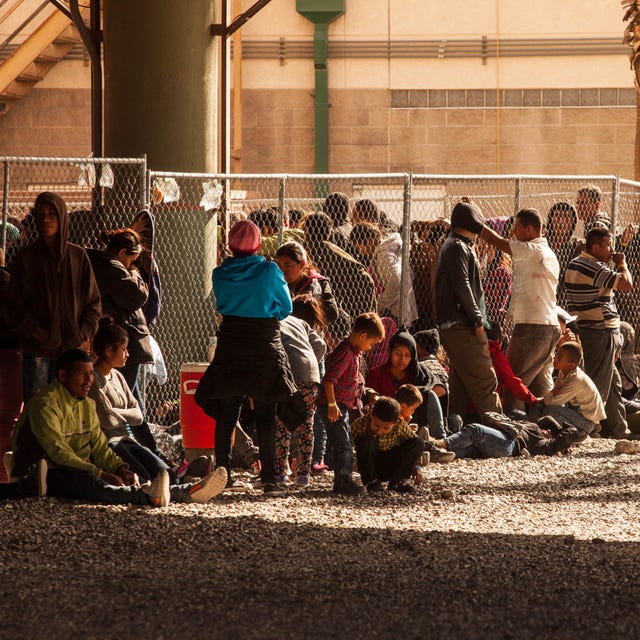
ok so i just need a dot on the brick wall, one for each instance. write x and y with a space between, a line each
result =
572 131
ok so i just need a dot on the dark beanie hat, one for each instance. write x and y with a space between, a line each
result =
468 217
429 340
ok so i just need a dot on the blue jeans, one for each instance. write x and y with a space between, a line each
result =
477 441
142 460
563 414
37 372
339 436
435 419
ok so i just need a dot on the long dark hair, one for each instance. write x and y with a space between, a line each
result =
108 336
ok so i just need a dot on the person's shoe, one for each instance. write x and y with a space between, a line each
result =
235 486
627 446
158 492
199 468
9 465
283 479
439 453
271 490
346 486
319 469
425 459
423 434
402 486
35 482
302 481
375 487
209 487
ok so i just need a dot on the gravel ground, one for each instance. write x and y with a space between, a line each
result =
515 548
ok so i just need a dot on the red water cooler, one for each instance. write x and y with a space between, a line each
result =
198 429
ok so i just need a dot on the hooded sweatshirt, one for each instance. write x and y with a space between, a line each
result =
53 289
251 287
416 373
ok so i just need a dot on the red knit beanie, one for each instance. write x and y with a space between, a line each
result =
244 238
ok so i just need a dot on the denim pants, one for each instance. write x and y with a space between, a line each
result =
339 436
37 372
142 461
563 414
393 465
530 354
477 441
73 484
435 419
265 417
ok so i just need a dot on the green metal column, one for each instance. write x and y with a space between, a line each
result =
321 13
160 83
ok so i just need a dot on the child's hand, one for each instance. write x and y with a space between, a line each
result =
417 475
333 413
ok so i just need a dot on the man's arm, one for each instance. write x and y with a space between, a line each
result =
624 282
495 239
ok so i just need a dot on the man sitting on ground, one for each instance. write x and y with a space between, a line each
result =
61 425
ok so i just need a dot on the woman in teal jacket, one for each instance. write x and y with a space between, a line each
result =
252 297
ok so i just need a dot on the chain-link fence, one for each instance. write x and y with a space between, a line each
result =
377 243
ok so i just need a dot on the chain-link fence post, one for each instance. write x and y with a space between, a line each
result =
516 198
145 184
5 204
405 277
281 199
615 203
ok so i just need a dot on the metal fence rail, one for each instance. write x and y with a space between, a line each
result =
194 211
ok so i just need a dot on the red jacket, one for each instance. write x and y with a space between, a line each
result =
506 378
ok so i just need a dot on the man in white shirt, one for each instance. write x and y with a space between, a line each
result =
533 303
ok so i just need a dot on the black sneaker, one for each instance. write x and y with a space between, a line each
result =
274 491
402 486
375 487
346 486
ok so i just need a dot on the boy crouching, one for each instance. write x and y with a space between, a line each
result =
386 447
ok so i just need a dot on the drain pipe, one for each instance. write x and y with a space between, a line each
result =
321 13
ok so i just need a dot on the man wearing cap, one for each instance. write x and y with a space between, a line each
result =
461 315
533 304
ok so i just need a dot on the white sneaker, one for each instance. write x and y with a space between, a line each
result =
208 487
158 491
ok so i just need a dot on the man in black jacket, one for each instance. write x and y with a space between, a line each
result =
461 315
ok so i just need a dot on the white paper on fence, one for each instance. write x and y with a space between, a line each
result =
210 251
168 188
107 178
87 177
212 196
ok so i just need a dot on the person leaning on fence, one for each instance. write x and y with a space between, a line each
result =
461 313
533 304
53 297
252 296
60 425
590 282
351 283
342 388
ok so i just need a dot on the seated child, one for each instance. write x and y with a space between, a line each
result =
341 390
409 398
386 447
574 397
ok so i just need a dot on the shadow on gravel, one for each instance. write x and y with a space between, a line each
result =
246 577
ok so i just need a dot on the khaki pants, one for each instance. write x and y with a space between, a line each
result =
471 374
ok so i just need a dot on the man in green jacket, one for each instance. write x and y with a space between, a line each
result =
61 425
